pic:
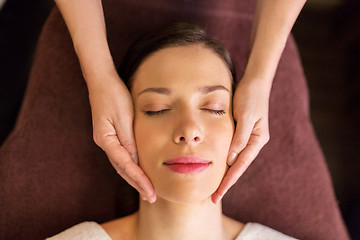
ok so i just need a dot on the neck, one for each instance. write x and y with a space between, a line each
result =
168 220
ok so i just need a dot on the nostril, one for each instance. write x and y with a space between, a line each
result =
184 139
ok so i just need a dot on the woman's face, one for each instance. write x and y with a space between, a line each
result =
183 121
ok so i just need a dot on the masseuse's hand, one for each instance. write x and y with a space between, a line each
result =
250 109
112 114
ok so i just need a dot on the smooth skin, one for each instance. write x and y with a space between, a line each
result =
183 102
112 107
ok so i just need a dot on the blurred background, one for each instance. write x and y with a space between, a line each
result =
328 36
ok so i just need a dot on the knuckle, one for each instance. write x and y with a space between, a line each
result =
127 167
116 166
139 177
135 176
240 144
127 144
121 169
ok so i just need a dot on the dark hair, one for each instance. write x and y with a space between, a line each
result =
170 35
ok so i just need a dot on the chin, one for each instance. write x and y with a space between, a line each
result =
185 196
187 190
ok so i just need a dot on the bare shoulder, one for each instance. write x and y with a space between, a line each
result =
121 228
232 227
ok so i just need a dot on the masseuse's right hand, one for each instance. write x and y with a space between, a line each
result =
112 116
111 104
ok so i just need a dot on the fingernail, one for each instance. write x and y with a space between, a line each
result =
152 198
231 158
218 198
135 158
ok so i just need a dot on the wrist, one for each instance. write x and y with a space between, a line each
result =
98 71
103 82
95 60
258 83
96 65
261 66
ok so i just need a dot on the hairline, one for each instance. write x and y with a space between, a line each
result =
204 44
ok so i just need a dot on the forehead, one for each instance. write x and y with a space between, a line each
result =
190 66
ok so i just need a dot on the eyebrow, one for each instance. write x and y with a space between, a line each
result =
209 89
165 91
203 90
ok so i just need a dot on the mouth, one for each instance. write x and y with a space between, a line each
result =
187 164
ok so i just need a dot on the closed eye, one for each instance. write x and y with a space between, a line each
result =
217 112
155 113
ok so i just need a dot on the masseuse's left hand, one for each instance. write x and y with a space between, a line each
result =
250 110
272 24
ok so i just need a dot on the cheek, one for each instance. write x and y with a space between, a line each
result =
220 136
150 139
144 138
144 141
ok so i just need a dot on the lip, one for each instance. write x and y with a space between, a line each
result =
187 164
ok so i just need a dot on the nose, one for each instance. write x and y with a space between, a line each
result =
188 130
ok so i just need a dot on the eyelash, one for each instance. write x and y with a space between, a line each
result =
217 112
155 113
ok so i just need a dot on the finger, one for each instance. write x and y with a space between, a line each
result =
245 158
132 173
136 177
125 134
128 169
127 178
240 139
